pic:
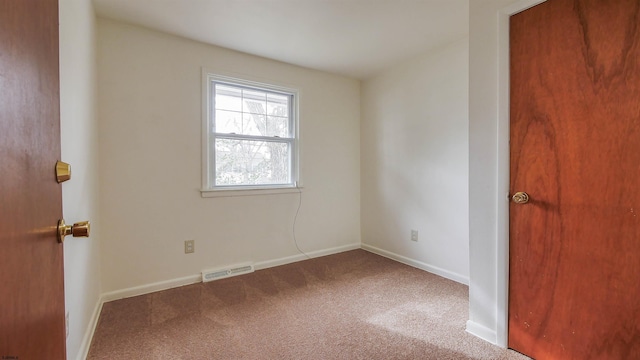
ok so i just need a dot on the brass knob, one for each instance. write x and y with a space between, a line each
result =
520 197
79 229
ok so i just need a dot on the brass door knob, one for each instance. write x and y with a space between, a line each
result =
79 229
520 197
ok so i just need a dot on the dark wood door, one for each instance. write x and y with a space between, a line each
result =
574 288
32 315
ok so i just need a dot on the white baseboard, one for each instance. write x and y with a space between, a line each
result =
482 332
299 257
91 328
418 264
153 287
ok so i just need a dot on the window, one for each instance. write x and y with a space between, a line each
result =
251 135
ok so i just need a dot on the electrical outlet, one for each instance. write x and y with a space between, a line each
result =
66 323
189 246
414 235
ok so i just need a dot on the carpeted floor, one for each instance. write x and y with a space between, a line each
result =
353 305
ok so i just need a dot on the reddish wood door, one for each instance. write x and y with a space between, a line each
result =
32 324
575 149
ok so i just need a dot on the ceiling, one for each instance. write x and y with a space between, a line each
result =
356 38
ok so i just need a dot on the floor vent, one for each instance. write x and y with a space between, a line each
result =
210 275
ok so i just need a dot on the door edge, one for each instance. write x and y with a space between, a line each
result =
502 211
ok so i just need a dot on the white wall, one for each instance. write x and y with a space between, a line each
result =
149 97
414 159
489 166
79 138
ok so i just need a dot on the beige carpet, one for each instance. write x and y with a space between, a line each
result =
353 305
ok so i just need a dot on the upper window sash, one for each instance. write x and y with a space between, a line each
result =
250 111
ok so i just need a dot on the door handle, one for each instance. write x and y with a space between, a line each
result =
520 197
79 229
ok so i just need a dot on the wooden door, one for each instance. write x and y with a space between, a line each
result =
32 315
574 287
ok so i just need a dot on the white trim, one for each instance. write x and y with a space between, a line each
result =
204 131
249 192
150 288
83 352
482 332
309 255
519 6
418 264
501 333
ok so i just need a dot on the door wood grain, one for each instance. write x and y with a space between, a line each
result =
574 287
32 313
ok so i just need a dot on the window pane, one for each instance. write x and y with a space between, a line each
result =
255 102
278 105
277 126
228 122
246 162
253 124
228 98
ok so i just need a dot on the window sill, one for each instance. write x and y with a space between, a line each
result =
208 193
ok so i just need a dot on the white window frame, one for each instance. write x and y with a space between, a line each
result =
209 189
